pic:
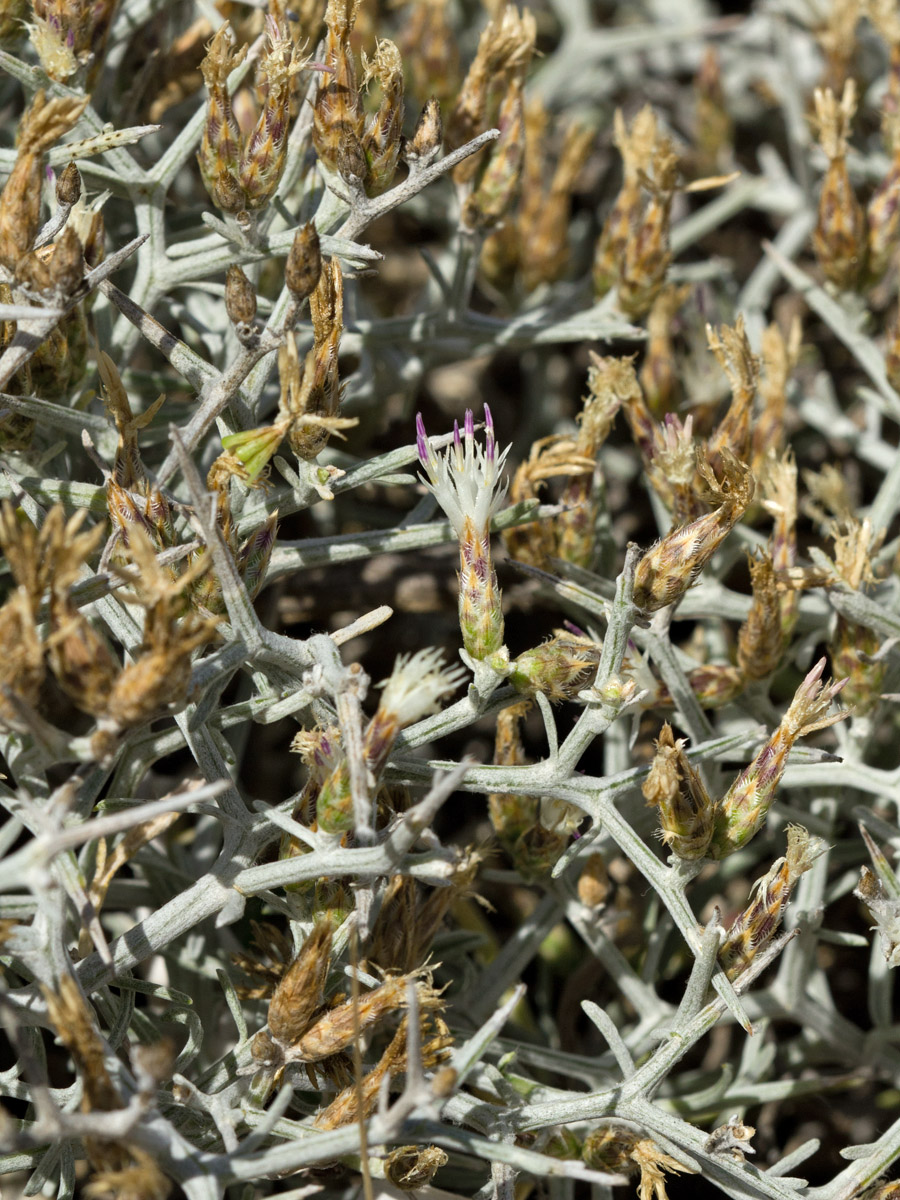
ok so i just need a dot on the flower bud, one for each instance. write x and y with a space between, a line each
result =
744 807
240 297
68 185
758 923
304 263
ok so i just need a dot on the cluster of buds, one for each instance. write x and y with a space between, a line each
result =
306 1031
619 1149
414 689
879 890
242 172
364 153
695 825
466 482
118 1167
79 657
70 38
755 927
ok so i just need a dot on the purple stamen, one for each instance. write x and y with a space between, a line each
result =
488 434
421 440
470 425
70 38
457 440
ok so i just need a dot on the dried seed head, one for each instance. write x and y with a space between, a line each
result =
511 816
879 890
548 458
495 195
614 1148
593 882
659 378
743 809
504 52
300 994
76 1028
337 109
265 152
240 297
839 238
220 150
428 135
779 357
732 1139
761 637
732 350
713 126
758 923
669 568
412 1167
303 268
635 144
43 124
676 789
541 231
337 1027
382 138
643 266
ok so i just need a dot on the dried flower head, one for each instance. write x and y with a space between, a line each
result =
840 237
742 810
414 689
676 789
758 923
669 568
879 890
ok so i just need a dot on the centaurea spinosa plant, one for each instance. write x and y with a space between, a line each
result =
596 892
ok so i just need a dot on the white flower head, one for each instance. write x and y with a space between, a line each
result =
465 479
416 684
